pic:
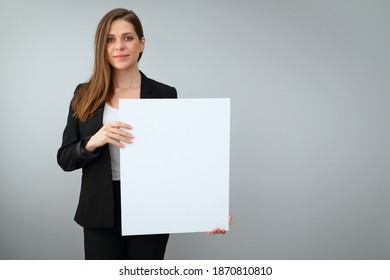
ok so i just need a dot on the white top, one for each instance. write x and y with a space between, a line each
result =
112 115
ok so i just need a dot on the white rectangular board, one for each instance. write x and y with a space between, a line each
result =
175 174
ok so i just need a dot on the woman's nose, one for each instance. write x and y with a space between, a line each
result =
119 45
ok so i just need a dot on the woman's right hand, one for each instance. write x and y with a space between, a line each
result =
111 133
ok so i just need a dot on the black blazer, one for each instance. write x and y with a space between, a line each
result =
96 203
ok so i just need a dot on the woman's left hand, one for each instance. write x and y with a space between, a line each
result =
221 231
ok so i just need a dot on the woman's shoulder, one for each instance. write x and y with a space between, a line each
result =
78 87
158 86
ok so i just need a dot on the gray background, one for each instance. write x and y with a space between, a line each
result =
310 134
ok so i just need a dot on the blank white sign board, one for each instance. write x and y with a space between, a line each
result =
175 174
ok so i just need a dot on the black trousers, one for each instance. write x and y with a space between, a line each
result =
109 244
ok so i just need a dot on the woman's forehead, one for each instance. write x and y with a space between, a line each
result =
120 26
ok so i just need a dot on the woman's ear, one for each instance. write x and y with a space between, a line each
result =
142 44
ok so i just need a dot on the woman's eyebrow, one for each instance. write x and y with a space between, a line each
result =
127 33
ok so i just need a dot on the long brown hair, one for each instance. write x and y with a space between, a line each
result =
98 89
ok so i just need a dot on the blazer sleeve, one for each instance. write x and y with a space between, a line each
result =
168 92
174 93
72 154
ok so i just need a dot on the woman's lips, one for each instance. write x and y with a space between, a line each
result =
121 56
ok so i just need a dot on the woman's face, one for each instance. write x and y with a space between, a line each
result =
123 45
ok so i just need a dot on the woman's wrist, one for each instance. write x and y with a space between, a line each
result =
89 147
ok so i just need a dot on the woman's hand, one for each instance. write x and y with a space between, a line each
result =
221 231
110 133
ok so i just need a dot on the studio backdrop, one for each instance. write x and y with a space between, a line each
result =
310 120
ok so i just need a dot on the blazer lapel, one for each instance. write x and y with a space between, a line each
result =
146 90
94 123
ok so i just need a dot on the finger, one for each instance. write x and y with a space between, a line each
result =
115 143
120 135
121 125
112 137
124 133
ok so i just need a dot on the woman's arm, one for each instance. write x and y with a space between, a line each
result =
76 152
72 154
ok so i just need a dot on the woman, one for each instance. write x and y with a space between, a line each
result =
93 136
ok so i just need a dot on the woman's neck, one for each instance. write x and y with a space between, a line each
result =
125 79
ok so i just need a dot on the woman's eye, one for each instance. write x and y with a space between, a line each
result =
110 40
128 38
